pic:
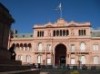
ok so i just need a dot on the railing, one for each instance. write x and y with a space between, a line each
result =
80 51
42 51
39 51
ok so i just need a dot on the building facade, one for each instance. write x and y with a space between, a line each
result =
58 43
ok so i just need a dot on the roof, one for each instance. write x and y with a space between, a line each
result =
95 33
23 35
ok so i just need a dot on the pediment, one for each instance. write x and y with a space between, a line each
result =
72 25
49 26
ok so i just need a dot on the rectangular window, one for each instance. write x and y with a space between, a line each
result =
54 33
40 33
82 32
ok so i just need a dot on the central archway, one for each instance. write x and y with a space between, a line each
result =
60 54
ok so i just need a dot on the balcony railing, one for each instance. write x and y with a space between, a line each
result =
80 51
42 51
39 51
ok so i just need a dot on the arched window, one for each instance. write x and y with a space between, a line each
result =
17 46
39 59
28 58
82 46
40 46
83 60
21 46
29 46
95 60
25 47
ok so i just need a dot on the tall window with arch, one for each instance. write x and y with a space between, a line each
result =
28 58
17 46
40 47
82 46
83 59
39 59
95 60
29 46
25 47
21 46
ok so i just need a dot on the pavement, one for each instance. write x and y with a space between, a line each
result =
44 72
64 71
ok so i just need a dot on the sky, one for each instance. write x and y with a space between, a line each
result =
27 13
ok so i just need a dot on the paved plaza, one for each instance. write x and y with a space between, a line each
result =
64 71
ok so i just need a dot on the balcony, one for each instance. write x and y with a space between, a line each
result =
42 51
78 51
39 51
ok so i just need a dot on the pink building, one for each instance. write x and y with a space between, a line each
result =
57 43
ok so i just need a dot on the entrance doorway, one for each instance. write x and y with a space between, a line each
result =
60 54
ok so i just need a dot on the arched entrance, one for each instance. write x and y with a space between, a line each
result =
60 54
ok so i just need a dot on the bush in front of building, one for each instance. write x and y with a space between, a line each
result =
84 67
93 67
74 67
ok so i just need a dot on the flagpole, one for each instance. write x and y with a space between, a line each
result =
61 13
60 10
